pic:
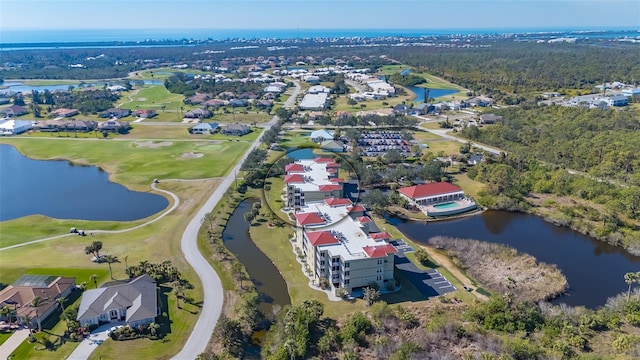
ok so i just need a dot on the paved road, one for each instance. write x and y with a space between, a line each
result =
213 293
443 133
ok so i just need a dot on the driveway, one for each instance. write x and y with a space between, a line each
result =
429 282
90 343
12 343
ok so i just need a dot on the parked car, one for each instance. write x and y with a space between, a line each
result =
114 329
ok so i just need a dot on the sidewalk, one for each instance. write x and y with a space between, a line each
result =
13 342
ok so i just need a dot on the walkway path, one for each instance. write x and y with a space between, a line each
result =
12 343
211 284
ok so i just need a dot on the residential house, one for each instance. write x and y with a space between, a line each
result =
314 101
236 129
4 101
198 114
481 101
196 99
491 119
438 199
114 125
63 112
316 89
115 113
14 127
617 100
332 146
264 104
474 159
135 302
79 125
401 109
204 128
319 136
215 103
146 114
21 293
14 110
49 125
420 109
237 103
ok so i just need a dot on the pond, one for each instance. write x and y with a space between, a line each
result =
270 284
433 93
595 270
19 87
60 190
301 154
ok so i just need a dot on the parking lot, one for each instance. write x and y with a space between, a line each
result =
401 246
429 282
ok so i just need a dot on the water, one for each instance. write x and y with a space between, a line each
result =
595 270
21 36
448 205
301 154
58 189
19 87
433 93
269 282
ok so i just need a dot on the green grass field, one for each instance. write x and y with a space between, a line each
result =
135 165
4 336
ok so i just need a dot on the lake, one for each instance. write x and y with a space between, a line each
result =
301 154
595 270
60 190
19 87
433 93
270 284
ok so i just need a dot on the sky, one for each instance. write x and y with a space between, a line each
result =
315 14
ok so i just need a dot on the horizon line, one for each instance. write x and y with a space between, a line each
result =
586 27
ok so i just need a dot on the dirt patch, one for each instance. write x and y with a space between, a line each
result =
192 155
151 144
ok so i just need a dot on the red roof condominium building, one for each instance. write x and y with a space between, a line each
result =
311 181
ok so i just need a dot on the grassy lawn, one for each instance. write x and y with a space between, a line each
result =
155 97
22 229
425 136
4 336
342 105
441 144
249 118
135 165
433 82
297 140
470 187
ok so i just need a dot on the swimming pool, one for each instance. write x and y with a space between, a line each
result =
447 205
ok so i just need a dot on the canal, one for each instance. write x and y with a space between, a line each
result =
595 270
270 284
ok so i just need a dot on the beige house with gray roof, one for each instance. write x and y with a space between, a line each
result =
135 302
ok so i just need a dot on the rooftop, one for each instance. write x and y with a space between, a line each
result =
431 189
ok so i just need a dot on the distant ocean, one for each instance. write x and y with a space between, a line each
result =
13 36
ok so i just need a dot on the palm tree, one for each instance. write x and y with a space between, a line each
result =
630 278
61 300
6 312
178 291
110 259
27 320
94 279
35 303
153 328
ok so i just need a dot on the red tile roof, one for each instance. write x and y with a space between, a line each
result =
331 170
321 160
337 180
318 238
337 202
364 219
294 168
380 236
357 208
309 219
379 251
432 189
295 178
333 165
329 187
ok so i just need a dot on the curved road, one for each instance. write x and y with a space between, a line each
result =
212 287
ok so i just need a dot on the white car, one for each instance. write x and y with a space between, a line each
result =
113 329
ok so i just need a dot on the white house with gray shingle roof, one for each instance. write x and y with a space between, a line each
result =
135 302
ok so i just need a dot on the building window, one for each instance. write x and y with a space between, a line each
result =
335 268
380 262
321 262
346 282
346 273
379 278
379 270
346 265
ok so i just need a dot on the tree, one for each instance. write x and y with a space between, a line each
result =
7 312
376 200
94 279
61 300
238 272
630 278
370 295
36 303
153 328
35 109
351 102
110 259
178 287
94 249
